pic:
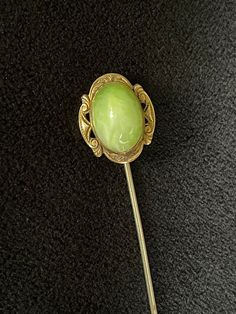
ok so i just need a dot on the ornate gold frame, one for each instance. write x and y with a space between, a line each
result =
86 124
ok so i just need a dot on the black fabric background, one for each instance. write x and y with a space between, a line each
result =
68 238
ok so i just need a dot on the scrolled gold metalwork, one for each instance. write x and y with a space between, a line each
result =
86 124
149 113
86 128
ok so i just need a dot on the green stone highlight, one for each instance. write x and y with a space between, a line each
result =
117 117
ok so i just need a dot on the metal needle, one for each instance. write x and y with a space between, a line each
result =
141 239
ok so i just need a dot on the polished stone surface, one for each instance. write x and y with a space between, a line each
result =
117 117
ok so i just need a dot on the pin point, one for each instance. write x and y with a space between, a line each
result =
117 119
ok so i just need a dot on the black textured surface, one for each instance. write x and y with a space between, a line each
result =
68 238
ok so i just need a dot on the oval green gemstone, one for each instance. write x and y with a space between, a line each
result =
117 117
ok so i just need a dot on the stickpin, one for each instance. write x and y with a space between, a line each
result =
117 119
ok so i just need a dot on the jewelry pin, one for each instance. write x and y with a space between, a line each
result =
117 119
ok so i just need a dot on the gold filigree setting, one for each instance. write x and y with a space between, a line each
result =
87 129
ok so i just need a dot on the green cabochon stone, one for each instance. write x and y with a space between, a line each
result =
117 117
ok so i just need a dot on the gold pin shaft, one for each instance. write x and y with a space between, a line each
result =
141 239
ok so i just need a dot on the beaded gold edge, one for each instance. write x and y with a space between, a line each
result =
86 125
